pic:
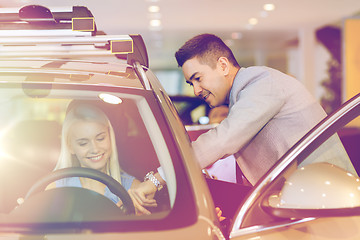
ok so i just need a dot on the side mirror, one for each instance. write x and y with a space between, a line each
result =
316 190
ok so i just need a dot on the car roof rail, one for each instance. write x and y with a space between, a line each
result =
139 52
129 47
37 31
37 17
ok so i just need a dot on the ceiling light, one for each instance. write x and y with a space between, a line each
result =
253 21
108 98
154 9
155 23
269 7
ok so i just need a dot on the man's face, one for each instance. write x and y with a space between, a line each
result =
208 83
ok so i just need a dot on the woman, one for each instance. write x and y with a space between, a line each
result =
88 141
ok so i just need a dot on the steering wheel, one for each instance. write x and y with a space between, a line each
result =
114 186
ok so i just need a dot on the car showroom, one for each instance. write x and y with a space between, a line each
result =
167 119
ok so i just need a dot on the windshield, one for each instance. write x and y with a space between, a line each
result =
44 128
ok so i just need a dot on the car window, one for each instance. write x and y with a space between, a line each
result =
31 124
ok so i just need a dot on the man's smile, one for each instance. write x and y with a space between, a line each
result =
204 95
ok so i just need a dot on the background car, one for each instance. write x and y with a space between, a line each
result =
192 110
35 96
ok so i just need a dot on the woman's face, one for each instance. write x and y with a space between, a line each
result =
90 142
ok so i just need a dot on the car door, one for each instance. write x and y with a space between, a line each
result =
314 191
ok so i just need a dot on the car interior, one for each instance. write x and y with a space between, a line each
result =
31 145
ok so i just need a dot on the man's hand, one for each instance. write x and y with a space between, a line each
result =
142 195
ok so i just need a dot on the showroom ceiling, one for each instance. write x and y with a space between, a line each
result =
245 25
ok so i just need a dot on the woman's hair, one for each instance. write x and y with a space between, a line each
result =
208 48
86 112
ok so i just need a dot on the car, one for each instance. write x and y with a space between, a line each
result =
41 84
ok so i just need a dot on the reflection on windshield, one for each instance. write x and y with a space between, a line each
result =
41 134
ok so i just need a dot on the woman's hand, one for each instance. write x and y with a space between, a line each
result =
142 195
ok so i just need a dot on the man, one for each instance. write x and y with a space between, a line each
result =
269 110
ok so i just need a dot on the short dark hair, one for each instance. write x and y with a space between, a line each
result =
208 48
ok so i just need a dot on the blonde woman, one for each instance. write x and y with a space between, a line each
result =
88 141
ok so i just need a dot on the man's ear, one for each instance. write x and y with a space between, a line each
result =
224 65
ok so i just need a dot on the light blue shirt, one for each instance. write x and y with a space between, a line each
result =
126 182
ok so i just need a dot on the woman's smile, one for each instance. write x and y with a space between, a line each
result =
96 158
